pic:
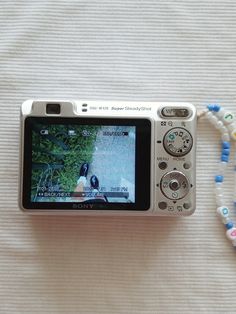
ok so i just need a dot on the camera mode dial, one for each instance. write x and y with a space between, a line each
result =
175 185
178 142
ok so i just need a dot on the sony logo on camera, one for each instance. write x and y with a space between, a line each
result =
82 206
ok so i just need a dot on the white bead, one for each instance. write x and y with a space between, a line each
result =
219 201
223 130
223 212
209 114
218 191
219 198
225 220
223 165
225 137
231 234
218 186
231 127
228 117
213 120
219 124
220 113
222 168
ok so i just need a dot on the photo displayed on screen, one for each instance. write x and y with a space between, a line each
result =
83 163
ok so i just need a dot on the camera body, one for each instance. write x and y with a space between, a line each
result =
108 157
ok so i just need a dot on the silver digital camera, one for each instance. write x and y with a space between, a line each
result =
108 157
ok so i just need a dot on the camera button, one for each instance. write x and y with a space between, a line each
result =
162 205
187 205
162 165
187 165
174 185
175 195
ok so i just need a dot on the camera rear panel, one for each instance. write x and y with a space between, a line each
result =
175 153
102 157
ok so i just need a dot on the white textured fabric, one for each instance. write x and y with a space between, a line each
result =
118 50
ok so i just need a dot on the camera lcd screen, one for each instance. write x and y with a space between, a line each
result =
71 162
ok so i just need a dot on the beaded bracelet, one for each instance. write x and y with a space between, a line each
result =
225 122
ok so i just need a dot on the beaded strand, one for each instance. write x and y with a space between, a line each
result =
225 122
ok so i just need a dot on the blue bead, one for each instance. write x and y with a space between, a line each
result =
217 108
225 158
219 178
225 151
229 225
226 145
210 107
214 107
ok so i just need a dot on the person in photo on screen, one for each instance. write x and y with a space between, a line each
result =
94 184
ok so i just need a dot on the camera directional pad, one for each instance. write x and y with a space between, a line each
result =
174 185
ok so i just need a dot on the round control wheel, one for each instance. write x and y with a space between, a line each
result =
174 185
178 142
